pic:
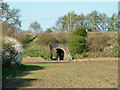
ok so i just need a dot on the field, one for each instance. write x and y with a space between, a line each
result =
98 69
78 50
96 74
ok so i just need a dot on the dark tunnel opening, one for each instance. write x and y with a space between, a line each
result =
60 54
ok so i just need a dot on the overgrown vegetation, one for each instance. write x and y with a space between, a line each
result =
95 44
104 44
48 38
77 41
35 50
40 46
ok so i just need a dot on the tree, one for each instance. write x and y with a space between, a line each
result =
77 40
81 20
49 30
10 19
35 27
113 23
66 23
94 22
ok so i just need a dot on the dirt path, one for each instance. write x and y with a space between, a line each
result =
98 59
68 75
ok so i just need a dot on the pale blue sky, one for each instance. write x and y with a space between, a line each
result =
47 13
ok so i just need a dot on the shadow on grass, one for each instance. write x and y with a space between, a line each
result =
9 75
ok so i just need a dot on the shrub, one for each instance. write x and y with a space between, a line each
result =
77 41
80 31
11 52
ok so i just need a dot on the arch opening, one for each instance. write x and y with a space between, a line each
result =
60 54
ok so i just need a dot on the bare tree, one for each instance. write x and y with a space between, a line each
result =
35 27
10 18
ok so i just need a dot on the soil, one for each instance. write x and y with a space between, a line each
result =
39 59
67 75
97 59
33 59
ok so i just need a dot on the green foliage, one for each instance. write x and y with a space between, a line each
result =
111 29
37 50
77 40
48 38
31 53
8 54
89 29
24 38
77 44
49 30
11 52
36 53
80 31
96 44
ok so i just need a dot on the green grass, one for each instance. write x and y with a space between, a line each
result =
36 50
32 53
8 72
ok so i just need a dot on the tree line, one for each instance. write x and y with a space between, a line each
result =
94 21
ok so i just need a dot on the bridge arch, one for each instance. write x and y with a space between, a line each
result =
61 50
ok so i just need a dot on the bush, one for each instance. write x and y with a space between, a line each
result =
80 31
77 44
11 52
77 40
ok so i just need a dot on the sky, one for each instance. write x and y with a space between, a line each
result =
47 13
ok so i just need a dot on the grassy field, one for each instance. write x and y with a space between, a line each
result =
64 75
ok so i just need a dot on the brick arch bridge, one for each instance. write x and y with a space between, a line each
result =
62 51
